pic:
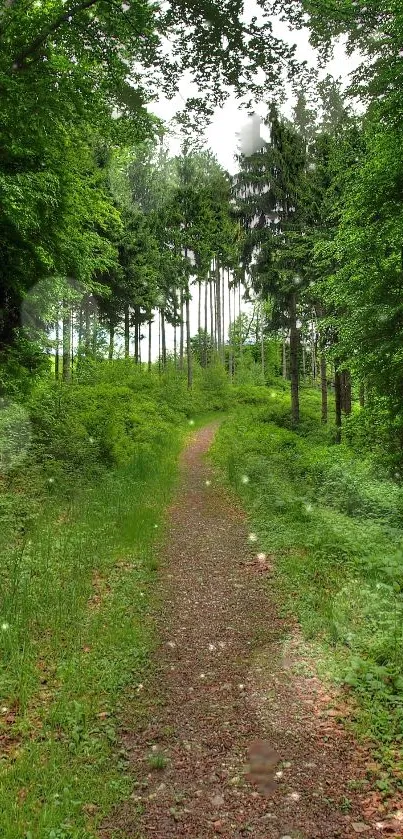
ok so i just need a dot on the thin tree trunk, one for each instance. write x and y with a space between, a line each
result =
240 322
223 316
87 326
181 332
345 377
218 305
337 393
284 359
233 336
136 334
313 354
66 341
159 342
188 345
323 384
205 320
229 334
127 332
211 312
149 342
294 372
111 339
80 326
262 341
163 341
199 309
303 357
57 345
94 333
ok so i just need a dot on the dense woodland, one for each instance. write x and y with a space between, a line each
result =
294 265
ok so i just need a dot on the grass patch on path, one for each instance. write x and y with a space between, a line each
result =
333 524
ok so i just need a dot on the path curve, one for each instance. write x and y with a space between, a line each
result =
232 713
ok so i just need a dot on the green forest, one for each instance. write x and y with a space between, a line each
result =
148 294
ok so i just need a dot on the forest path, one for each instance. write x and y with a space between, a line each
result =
226 692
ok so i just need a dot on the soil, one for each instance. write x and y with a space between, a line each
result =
241 738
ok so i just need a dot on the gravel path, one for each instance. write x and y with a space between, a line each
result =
238 742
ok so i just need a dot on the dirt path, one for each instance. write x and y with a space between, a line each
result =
228 695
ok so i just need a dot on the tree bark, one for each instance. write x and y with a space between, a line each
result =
323 384
345 378
199 309
205 321
262 341
337 393
303 357
284 359
87 326
111 339
218 305
294 372
127 331
188 345
66 341
149 342
163 341
181 332
57 345
313 354
229 336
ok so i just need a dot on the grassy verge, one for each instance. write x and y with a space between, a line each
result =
333 523
75 641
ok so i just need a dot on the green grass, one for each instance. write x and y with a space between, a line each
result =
75 645
333 520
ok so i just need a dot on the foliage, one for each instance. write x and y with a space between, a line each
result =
333 523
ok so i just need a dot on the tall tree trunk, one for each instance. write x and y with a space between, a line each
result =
80 325
218 305
323 384
87 326
303 357
163 341
229 334
199 309
313 354
127 331
66 341
337 393
149 342
223 316
57 345
345 378
240 323
294 372
284 359
181 332
211 312
262 341
111 339
136 334
159 342
233 335
188 345
95 333
205 321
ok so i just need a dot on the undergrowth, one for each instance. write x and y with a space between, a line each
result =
82 498
333 522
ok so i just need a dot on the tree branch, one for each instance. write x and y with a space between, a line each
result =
32 48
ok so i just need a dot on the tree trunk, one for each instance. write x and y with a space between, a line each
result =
66 341
87 326
211 312
294 372
199 309
127 332
205 321
223 316
181 332
262 341
337 393
149 342
229 336
345 378
313 354
111 339
218 305
240 322
303 357
188 345
323 384
95 333
57 345
163 341
284 359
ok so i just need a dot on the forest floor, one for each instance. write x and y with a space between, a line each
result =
241 738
